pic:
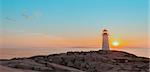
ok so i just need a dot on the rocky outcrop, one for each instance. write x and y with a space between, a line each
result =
8 69
93 61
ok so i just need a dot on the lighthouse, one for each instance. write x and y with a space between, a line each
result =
105 43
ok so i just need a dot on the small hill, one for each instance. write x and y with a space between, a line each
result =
93 61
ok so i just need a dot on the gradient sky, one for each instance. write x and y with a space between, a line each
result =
72 23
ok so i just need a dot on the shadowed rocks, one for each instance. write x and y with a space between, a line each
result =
93 61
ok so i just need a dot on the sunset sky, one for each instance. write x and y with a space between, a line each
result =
73 23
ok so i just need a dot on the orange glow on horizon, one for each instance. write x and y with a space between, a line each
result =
46 41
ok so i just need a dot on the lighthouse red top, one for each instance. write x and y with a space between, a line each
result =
105 31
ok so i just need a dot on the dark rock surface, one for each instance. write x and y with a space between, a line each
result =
93 61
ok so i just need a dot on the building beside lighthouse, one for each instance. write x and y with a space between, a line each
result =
105 39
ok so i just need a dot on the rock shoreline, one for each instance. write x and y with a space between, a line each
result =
93 61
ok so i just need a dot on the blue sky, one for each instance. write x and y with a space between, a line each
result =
75 18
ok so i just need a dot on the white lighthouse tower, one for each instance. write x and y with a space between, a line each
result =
105 43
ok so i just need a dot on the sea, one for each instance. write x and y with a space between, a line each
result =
8 53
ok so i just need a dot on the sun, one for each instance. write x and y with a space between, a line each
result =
115 43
